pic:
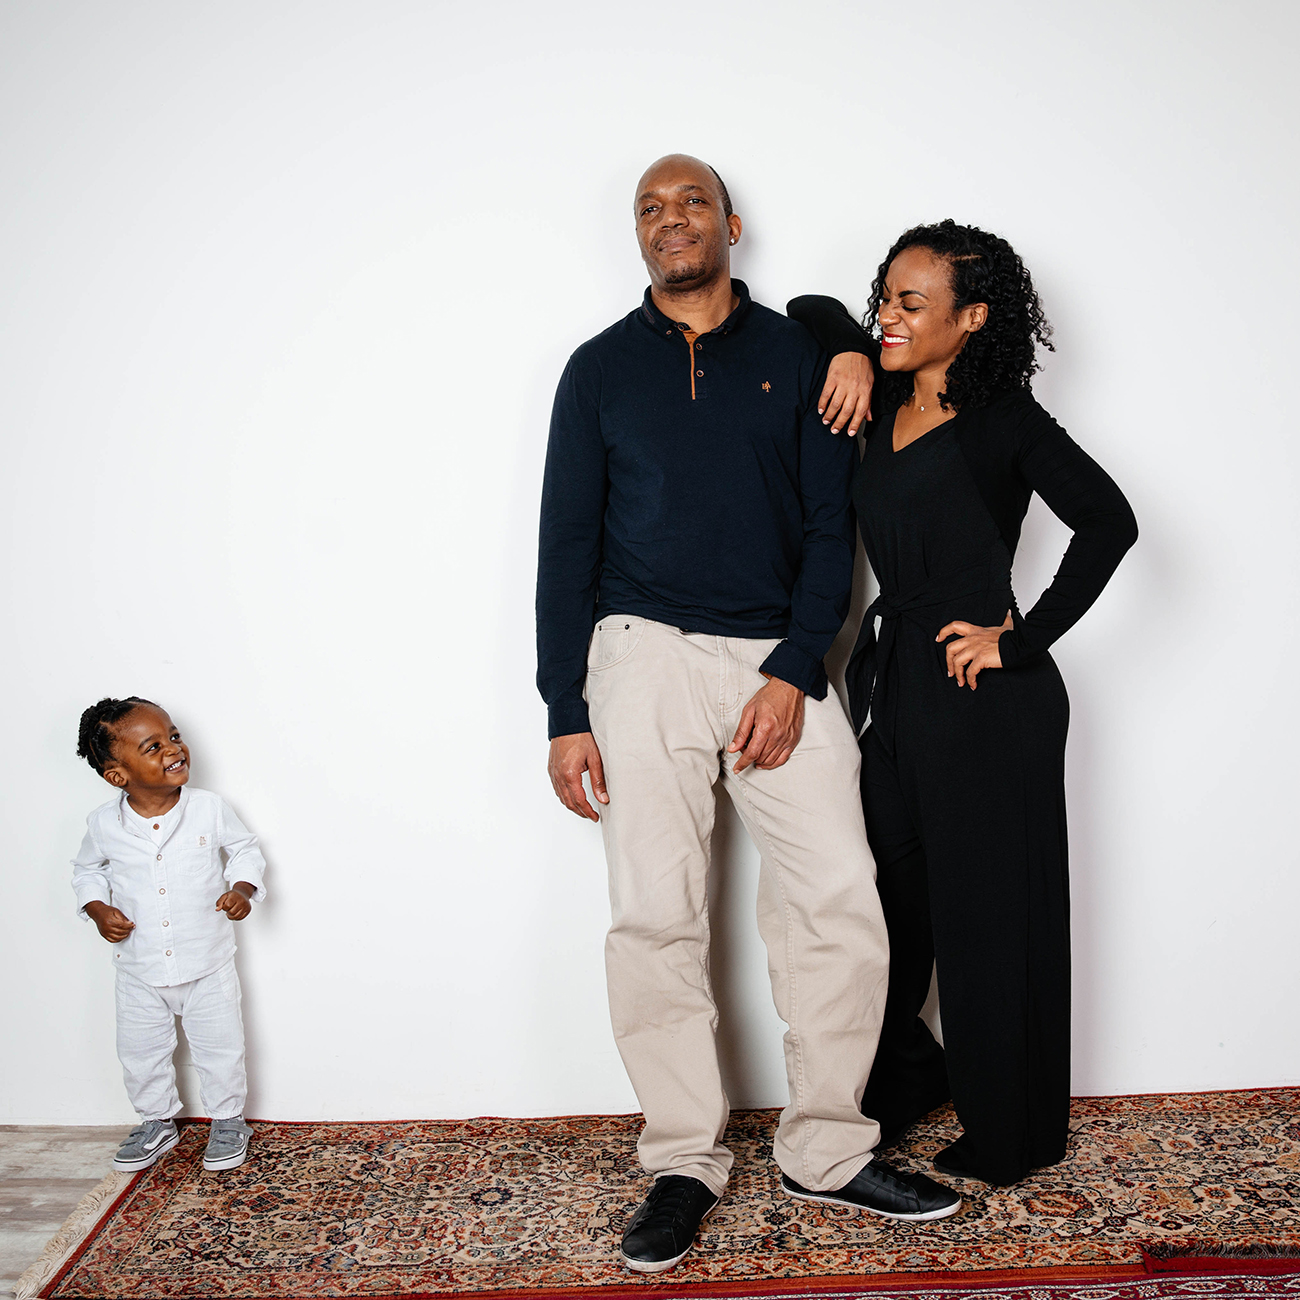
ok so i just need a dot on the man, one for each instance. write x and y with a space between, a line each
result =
695 514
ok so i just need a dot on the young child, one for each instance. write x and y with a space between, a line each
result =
150 876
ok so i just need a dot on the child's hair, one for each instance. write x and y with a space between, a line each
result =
95 736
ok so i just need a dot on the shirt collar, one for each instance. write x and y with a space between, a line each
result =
125 820
666 325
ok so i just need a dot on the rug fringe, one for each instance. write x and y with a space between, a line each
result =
1194 1257
73 1232
1219 1250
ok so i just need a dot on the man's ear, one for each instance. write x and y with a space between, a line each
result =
115 777
974 316
733 224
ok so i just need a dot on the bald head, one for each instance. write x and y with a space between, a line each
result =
685 225
701 169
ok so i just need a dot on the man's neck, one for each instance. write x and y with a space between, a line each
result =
699 307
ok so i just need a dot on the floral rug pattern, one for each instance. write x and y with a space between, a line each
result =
476 1207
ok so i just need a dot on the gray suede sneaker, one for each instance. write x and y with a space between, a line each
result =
227 1144
146 1144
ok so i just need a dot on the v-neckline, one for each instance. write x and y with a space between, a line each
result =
920 437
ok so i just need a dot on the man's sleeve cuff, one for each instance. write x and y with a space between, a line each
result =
797 667
567 717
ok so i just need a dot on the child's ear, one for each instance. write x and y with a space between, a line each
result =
115 777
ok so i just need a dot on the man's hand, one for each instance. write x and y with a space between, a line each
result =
975 649
111 923
237 902
770 726
571 756
846 397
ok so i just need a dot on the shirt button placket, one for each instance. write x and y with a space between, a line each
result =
164 911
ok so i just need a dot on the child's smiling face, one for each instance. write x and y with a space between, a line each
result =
149 757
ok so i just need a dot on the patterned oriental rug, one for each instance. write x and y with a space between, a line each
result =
513 1208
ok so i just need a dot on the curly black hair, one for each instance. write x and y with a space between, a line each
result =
95 735
983 268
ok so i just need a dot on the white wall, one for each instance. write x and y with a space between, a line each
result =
287 290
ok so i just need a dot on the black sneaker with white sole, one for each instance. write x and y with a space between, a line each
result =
880 1189
663 1227
146 1145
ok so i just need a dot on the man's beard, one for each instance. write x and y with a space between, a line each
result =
687 274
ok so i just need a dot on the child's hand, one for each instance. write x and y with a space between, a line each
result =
111 923
235 902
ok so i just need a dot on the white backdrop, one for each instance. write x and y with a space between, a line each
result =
287 288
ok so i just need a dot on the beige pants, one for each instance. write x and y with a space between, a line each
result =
664 706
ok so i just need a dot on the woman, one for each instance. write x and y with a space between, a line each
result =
963 778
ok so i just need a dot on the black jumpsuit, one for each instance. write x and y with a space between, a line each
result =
964 791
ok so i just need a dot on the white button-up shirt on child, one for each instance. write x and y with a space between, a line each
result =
166 874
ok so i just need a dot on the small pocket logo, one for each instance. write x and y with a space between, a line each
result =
203 839
767 388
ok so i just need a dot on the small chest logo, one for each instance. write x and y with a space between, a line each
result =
203 840
767 388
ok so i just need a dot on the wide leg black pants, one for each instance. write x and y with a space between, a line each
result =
966 818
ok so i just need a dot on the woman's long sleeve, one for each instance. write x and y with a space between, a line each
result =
1087 500
829 322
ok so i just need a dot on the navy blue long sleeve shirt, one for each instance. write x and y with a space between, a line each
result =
693 483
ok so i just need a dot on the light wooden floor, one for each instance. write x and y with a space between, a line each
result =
44 1172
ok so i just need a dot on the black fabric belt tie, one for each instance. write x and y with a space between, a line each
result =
930 607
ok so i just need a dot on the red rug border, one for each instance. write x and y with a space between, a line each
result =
969 1282
962 1285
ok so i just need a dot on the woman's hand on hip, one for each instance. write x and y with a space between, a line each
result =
975 649
846 395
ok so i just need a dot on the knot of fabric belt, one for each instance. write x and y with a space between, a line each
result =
871 658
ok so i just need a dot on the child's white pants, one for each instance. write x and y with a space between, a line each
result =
146 1042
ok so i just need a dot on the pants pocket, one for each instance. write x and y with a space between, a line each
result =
613 640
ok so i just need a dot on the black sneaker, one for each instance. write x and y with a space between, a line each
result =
881 1190
663 1228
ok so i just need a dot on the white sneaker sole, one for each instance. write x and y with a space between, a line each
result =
884 1214
227 1162
658 1266
663 1265
144 1162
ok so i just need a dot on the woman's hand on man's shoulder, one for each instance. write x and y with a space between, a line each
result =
845 402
